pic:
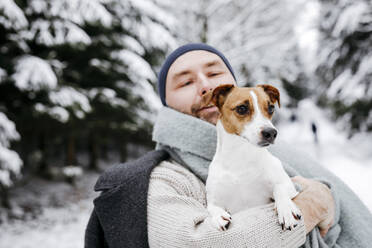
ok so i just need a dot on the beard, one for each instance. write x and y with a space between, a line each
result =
205 111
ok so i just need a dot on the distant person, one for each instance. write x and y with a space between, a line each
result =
314 130
159 200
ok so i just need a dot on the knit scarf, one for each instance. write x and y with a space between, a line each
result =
192 143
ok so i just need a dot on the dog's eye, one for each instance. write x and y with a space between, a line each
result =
242 109
270 109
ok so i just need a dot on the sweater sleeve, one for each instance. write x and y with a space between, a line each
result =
177 217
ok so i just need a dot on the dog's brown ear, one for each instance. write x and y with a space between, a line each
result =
220 93
272 92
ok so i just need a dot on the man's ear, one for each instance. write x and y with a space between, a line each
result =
220 94
272 92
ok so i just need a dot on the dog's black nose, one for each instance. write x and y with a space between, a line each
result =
269 134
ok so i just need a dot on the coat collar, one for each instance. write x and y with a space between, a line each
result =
122 206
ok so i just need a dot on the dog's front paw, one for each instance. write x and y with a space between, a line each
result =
288 214
220 218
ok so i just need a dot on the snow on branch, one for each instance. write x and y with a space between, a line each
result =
56 33
140 73
132 44
106 95
70 97
138 68
350 18
56 112
8 130
11 15
150 33
76 11
10 162
33 74
150 9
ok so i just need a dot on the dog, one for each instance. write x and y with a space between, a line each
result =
243 173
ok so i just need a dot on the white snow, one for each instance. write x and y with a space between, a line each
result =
133 45
33 74
11 15
72 171
140 72
106 95
70 97
138 68
349 19
10 162
55 33
56 112
150 33
150 9
60 226
76 11
8 130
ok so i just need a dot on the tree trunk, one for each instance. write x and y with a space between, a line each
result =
123 151
43 165
4 197
71 153
93 152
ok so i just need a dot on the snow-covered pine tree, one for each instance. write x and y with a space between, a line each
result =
345 56
12 20
81 67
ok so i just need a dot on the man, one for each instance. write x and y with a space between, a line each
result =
168 207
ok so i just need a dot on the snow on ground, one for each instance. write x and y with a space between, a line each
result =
62 214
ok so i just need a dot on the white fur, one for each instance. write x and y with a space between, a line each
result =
243 175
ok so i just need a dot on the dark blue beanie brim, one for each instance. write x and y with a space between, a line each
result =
177 53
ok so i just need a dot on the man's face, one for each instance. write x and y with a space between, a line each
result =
190 77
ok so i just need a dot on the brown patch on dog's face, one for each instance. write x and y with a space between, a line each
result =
265 103
236 108
271 92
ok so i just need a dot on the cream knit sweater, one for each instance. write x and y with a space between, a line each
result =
177 216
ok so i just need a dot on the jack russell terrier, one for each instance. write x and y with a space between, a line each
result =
243 173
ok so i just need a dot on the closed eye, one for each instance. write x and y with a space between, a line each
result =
213 74
185 83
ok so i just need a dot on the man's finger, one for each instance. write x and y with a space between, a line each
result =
301 181
323 232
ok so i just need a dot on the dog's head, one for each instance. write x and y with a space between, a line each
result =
247 112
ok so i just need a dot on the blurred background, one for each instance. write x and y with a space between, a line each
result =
78 92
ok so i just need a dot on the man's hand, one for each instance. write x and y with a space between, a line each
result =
316 204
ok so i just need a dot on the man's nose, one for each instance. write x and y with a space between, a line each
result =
204 85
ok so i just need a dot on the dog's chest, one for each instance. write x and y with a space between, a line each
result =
237 190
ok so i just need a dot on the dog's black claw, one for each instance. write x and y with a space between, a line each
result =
289 228
282 226
227 225
298 216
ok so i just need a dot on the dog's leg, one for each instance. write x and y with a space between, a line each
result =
286 208
220 218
